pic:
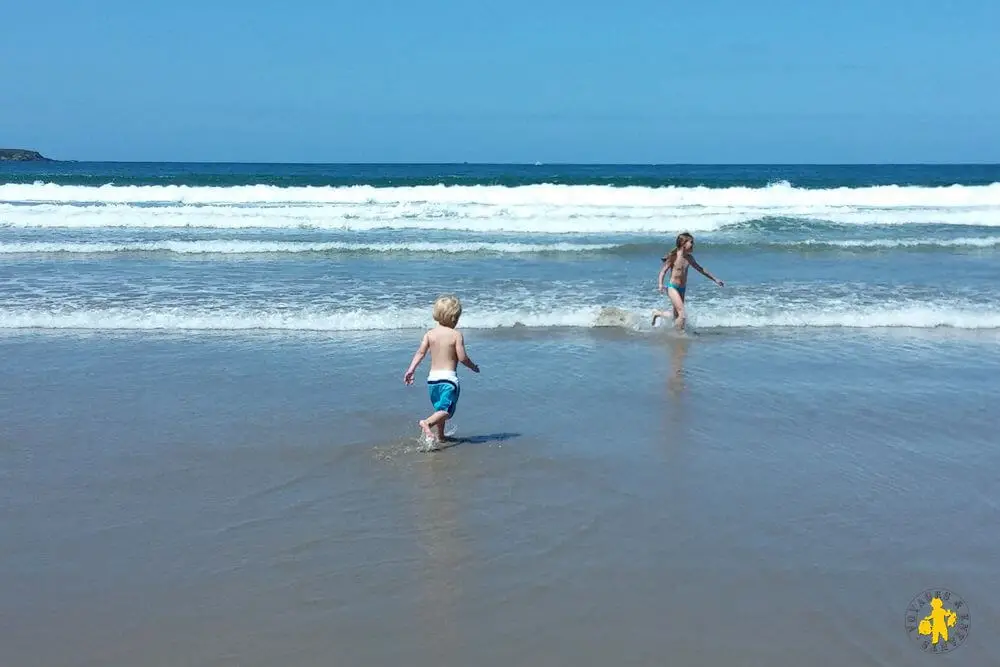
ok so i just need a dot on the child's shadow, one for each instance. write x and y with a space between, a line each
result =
454 441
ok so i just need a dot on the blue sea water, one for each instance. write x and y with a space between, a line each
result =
347 247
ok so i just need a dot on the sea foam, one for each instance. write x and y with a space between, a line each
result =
241 319
483 208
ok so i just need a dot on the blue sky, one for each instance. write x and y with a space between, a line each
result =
448 81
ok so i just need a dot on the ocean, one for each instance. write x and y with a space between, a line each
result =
209 457
219 247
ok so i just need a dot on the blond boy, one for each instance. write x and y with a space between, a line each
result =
447 348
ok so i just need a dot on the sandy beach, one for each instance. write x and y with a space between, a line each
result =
627 499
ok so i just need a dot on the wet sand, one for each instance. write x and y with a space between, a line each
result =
615 499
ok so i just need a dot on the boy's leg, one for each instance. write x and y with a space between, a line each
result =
432 422
440 429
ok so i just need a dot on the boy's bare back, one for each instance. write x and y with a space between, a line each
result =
445 343
447 348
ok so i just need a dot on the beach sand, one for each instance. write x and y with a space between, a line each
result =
615 498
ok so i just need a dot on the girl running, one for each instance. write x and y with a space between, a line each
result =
677 262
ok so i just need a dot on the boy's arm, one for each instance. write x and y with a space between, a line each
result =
703 272
418 356
462 356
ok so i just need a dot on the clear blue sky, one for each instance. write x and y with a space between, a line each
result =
444 80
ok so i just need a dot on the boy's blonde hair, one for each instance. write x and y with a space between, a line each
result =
447 310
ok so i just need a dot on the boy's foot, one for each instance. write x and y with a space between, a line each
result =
427 431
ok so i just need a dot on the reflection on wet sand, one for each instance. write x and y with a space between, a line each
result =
439 534
676 423
678 352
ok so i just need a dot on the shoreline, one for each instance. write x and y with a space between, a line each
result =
663 332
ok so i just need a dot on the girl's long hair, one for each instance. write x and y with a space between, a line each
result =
682 238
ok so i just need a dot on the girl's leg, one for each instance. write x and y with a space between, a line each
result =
678 301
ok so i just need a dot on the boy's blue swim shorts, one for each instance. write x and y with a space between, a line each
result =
444 391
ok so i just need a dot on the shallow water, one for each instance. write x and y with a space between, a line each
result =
621 498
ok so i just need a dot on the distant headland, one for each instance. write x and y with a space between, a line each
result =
21 155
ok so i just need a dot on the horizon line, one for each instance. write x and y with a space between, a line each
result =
519 164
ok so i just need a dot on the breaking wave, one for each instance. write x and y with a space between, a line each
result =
489 208
194 319
457 247
776 195
244 247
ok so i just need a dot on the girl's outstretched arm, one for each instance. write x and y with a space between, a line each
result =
703 272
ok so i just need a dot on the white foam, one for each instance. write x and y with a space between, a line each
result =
529 208
232 319
240 320
472 217
869 317
243 247
960 242
252 247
